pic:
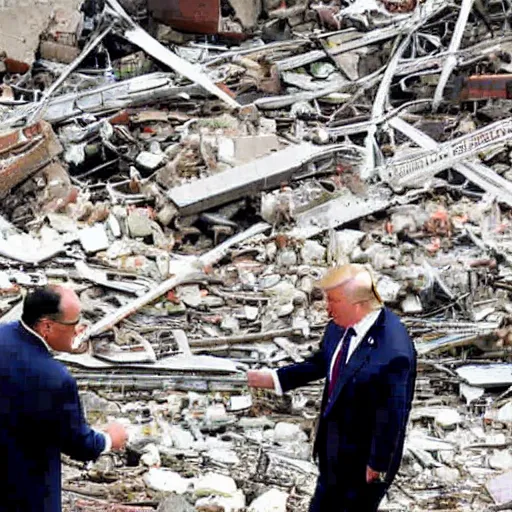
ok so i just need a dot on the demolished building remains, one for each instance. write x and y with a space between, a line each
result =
192 168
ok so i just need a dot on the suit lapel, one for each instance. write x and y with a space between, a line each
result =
360 357
354 364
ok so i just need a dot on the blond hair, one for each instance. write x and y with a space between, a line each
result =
357 281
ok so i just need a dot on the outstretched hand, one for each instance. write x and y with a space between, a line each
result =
118 434
260 379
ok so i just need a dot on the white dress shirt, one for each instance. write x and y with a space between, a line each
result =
361 330
108 439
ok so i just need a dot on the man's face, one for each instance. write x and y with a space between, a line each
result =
340 309
59 333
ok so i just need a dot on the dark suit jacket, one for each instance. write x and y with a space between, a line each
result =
40 417
364 421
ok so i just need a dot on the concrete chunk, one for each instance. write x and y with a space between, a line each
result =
265 173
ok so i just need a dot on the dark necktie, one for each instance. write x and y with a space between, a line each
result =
341 358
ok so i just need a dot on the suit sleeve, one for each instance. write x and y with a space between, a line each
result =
300 374
77 439
392 412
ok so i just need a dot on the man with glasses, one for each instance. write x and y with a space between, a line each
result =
369 363
40 412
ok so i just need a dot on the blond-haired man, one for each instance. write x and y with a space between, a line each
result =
369 363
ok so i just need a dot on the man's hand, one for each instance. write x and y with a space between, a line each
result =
371 475
118 434
260 379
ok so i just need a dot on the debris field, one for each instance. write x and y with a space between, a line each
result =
193 168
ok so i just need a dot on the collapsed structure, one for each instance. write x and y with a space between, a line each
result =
193 169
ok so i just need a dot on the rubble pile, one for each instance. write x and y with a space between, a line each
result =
193 175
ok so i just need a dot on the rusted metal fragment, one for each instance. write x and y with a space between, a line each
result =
25 151
400 6
477 87
15 66
201 16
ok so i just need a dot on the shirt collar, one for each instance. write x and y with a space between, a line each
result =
365 324
38 336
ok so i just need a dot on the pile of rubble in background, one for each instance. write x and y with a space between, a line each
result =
192 167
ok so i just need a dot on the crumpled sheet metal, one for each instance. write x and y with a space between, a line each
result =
139 37
175 363
416 169
479 174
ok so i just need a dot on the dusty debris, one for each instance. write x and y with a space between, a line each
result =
24 152
142 146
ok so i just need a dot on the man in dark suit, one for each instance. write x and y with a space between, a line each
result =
369 363
40 412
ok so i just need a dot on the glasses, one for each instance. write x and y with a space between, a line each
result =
61 322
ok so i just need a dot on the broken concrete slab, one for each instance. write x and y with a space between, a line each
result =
500 488
247 149
247 11
340 210
487 376
20 30
94 239
261 174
